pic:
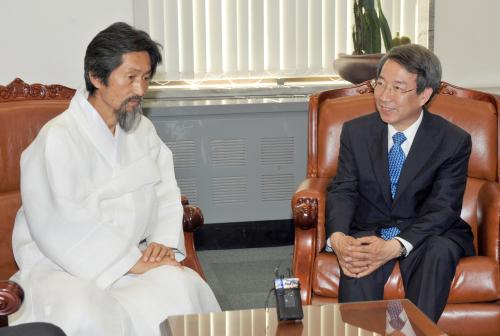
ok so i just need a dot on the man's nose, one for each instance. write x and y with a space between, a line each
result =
140 87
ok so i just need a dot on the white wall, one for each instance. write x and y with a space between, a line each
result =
466 41
45 41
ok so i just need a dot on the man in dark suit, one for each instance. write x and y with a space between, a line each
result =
398 190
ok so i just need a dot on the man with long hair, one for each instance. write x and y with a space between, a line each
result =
99 236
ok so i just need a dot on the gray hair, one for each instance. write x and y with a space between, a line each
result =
418 60
105 51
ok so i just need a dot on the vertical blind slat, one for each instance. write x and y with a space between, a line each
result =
408 18
342 21
314 47
171 38
302 30
229 37
288 33
156 28
214 38
328 35
271 37
242 39
186 50
256 36
199 39
394 19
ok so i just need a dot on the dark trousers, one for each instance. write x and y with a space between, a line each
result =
28 329
427 274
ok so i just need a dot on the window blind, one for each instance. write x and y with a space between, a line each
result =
232 39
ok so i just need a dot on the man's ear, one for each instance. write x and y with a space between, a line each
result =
425 96
95 81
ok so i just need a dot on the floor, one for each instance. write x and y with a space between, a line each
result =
243 278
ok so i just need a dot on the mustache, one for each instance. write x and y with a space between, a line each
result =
137 99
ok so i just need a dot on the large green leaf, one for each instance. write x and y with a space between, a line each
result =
372 32
384 28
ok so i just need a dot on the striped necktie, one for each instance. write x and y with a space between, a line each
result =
396 159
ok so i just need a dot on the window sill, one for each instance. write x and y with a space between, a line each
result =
237 92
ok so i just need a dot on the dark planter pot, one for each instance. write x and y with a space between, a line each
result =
357 68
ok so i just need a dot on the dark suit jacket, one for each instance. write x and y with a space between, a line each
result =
431 185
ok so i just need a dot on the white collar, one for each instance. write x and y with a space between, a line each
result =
409 133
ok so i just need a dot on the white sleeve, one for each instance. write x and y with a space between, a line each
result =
408 246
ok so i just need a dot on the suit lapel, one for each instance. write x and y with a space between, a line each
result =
378 153
420 152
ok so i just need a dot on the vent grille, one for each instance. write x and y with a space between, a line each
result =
275 151
229 190
184 152
277 187
188 189
229 152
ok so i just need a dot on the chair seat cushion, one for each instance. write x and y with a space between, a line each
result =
476 280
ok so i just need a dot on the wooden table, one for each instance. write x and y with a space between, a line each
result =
346 319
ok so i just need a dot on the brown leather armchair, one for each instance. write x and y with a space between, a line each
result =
473 305
24 109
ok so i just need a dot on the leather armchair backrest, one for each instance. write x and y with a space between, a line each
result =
332 114
480 119
19 124
24 109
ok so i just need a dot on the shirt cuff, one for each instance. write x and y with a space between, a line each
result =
328 247
408 246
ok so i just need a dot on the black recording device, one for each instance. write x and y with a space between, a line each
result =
288 303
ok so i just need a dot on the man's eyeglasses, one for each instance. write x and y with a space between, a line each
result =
395 90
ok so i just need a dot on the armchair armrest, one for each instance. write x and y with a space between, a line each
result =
192 221
11 298
193 217
308 206
308 196
488 216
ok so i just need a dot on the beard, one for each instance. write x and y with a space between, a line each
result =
129 120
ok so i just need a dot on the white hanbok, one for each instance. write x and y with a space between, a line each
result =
89 199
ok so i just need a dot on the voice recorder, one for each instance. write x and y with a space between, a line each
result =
288 304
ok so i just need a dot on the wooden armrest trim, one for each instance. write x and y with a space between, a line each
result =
193 218
11 297
305 213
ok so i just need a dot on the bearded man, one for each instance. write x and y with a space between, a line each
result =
99 237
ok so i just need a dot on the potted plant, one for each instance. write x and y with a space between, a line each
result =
369 29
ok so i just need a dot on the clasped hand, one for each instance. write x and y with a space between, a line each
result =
359 257
153 256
